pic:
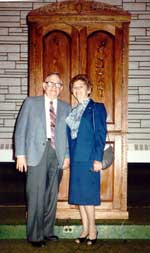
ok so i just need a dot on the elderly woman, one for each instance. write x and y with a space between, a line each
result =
86 135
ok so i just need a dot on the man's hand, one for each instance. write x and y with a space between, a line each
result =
21 164
66 163
97 166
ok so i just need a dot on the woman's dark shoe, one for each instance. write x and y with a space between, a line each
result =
92 241
81 239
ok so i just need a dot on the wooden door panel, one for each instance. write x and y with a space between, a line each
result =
64 186
107 184
77 53
100 68
57 58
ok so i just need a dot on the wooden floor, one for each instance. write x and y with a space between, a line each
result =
68 246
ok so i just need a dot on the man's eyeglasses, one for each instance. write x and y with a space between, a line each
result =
52 84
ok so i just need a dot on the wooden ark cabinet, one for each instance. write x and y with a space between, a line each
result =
90 37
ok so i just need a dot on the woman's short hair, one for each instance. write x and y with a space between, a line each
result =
83 78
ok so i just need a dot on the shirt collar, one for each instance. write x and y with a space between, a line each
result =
47 99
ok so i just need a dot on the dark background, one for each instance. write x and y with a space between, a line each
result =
12 184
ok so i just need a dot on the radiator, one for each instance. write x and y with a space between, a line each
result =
139 152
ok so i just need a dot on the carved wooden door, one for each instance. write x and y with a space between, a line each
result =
73 45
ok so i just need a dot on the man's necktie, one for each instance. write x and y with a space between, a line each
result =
52 124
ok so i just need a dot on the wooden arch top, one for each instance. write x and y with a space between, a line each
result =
81 7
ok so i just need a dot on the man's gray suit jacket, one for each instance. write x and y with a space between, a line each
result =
30 132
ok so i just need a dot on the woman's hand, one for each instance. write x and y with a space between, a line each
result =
66 163
97 166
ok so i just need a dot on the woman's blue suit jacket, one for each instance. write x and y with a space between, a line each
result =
91 137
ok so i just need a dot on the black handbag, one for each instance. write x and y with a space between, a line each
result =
108 156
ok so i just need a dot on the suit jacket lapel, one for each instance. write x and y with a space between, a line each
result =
43 113
58 115
87 112
88 108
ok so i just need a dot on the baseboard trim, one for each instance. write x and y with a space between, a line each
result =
72 231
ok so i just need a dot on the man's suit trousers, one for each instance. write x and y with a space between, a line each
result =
42 190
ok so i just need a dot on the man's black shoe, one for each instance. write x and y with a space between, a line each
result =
53 238
38 244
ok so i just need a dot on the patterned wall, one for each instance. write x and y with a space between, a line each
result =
14 65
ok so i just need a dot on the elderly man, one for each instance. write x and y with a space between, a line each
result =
41 150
